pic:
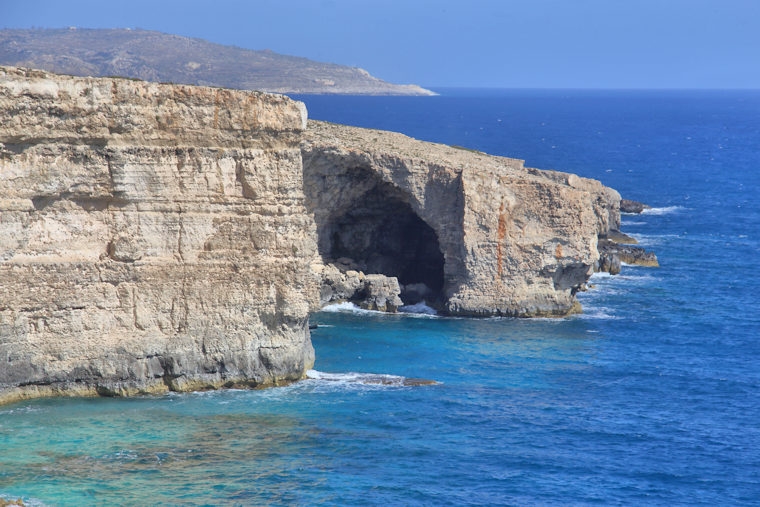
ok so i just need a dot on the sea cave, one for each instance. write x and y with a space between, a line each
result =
372 228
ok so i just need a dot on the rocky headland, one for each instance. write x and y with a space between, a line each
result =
159 237
161 57
473 234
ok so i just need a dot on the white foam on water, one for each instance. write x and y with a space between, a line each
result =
631 273
420 308
24 410
652 239
347 307
595 313
634 270
360 380
356 378
663 211
214 392
596 291
603 285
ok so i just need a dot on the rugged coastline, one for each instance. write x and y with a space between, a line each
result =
158 237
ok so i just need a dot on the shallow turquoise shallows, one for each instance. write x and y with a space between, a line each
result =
652 396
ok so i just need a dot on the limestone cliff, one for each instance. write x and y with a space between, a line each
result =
157 237
484 234
152 237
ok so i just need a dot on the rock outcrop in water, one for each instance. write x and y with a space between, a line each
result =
616 248
166 237
629 206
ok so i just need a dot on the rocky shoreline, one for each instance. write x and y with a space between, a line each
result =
344 280
160 237
616 249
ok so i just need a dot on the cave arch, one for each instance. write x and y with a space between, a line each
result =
381 233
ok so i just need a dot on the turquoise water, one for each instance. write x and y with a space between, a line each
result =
320 441
650 397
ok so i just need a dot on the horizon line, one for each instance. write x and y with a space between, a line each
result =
589 88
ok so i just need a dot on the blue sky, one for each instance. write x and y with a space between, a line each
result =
471 43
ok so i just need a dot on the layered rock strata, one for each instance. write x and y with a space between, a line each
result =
486 235
152 237
166 237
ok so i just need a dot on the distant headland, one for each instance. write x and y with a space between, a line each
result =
160 57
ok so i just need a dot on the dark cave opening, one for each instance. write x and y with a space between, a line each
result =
382 234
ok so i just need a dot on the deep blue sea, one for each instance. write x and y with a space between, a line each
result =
651 397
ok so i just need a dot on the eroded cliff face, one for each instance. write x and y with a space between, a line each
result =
152 237
484 234
164 237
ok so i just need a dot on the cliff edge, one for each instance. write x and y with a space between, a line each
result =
152 237
159 237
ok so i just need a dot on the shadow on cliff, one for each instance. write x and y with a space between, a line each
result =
382 234
368 226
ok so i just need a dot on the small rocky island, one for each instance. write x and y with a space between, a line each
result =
158 237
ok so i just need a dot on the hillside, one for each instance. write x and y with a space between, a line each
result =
155 56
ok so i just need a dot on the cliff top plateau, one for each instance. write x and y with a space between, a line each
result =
155 56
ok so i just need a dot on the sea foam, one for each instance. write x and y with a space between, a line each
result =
420 308
663 211
417 310
347 307
352 379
